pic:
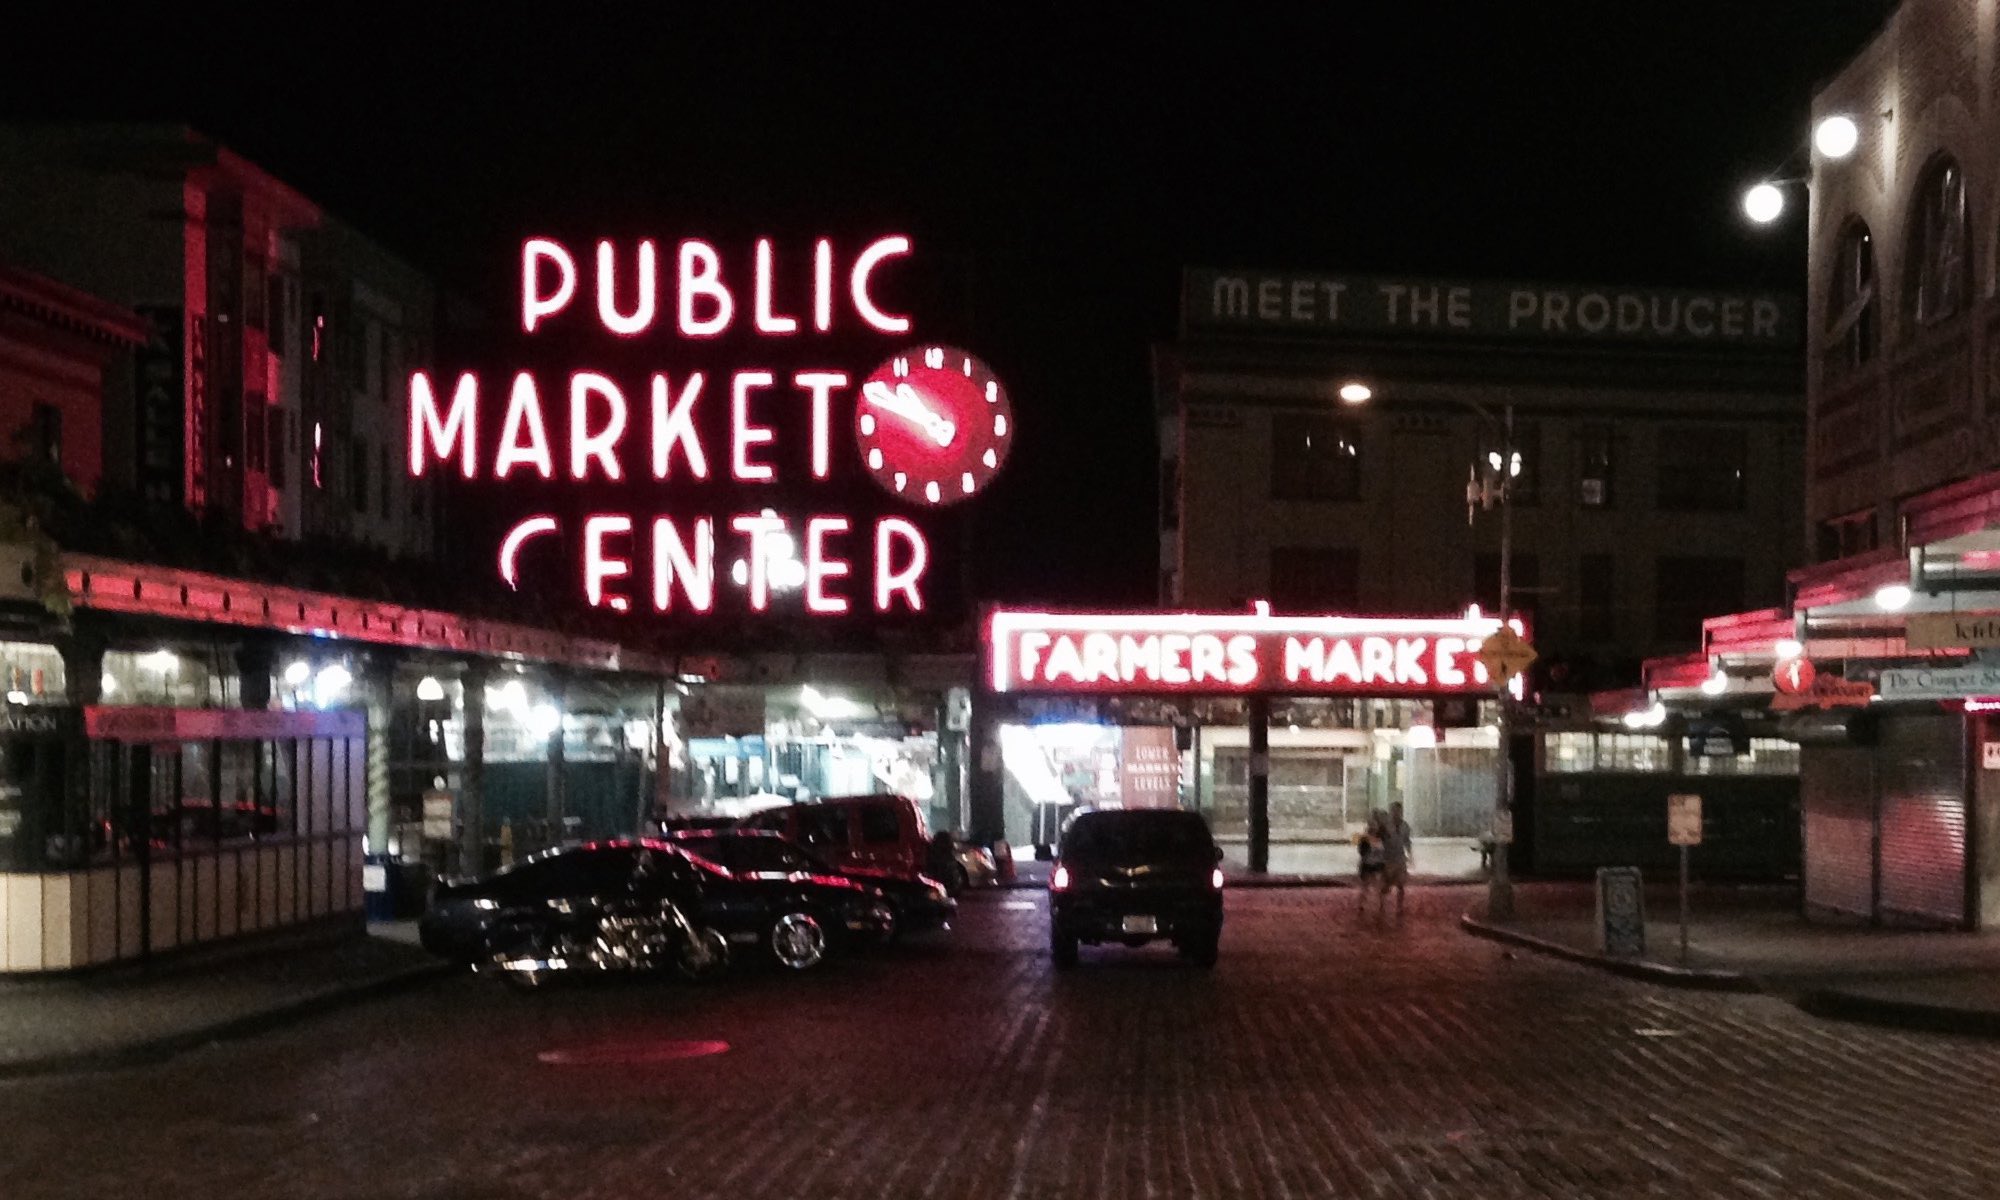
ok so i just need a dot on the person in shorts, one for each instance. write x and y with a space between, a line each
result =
1369 845
1397 850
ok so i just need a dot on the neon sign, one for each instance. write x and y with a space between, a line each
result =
1242 653
932 425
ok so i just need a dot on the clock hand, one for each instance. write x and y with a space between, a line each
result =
904 402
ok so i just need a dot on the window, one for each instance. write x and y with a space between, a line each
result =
1845 536
1316 578
1314 457
879 825
823 829
1594 462
358 480
1851 334
1596 595
1578 753
1940 261
276 438
1524 581
1701 468
1690 588
1527 484
45 433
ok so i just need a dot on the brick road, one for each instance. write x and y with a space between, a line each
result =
1322 1058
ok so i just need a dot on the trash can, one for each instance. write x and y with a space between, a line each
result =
380 886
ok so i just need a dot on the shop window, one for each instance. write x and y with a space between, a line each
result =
1576 753
1701 468
1316 578
1765 756
45 433
1526 485
1315 457
1594 457
1940 260
1852 333
1596 594
1689 588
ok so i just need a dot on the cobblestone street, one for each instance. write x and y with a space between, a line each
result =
1323 1057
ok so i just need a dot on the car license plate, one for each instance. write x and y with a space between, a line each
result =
1140 925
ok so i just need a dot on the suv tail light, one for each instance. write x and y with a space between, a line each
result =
1059 879
1215 879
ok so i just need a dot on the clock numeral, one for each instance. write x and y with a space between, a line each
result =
992 391
999 424
875 459
968 368
965 482
990 458
867 423
900 367
934 358
932 492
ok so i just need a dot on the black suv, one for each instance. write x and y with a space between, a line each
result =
1136 875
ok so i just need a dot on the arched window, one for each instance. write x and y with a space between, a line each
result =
1851 332
1940 259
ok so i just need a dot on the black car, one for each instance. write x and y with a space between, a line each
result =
797 919
921 903
1136 875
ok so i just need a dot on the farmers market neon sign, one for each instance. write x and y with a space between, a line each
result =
932 425
1238 653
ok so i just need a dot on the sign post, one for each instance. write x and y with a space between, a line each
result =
1684 830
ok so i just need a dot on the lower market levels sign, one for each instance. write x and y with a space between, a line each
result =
1237 653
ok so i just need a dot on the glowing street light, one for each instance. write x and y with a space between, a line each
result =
1764 203
1894 597
1355 392
1836 137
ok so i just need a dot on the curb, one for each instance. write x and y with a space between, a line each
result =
1275 881
1912 1015
159 1049
1695 978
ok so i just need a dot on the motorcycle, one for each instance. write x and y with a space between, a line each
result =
615 936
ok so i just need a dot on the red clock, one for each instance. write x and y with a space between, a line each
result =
933 425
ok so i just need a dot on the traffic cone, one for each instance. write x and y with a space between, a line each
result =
1003 861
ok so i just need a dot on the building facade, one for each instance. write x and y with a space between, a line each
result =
1880 661
267 395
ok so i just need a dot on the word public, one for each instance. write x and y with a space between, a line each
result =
615 431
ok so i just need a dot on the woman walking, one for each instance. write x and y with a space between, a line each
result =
1370 844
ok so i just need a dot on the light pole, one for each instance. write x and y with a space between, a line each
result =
1500 886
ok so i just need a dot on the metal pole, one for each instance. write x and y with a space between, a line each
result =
1260 784
1684 905
1499 887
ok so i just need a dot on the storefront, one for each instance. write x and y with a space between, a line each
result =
1279 729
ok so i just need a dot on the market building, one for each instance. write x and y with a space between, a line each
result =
1880 660
1338 443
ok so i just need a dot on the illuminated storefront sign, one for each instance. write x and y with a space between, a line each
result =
931 424
1227 653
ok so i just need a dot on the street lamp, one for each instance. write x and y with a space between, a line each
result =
1506 464
1764 203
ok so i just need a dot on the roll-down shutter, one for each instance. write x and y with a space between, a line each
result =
1837 798
1922 786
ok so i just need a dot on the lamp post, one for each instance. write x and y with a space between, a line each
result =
1500 886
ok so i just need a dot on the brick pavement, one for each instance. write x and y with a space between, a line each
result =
1324 1057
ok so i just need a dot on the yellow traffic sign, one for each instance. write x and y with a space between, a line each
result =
1505 654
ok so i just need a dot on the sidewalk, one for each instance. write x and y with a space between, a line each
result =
1752 938
1437 861
132 1014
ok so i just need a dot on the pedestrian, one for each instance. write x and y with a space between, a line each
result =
1369 845
1397 851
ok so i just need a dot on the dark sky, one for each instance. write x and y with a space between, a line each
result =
1062 172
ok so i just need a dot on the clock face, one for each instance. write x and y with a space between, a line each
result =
933 425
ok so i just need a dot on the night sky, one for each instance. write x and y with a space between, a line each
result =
1057 175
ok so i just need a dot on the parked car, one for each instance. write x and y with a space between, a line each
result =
960 864
798 920
854 831
921 903
1136 875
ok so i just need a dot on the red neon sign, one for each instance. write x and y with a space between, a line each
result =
932 425
1238 653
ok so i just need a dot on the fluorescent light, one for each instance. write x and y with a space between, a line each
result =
1788 648
330 683
1715 684
1355 392
544 720
162 661
428 688
1893 597
1420 737
297 673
